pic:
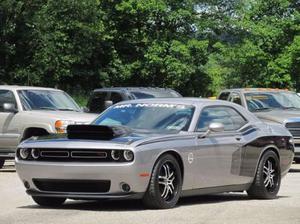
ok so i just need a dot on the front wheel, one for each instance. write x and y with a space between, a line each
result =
268 177
297 160
48 201
2 161
165 184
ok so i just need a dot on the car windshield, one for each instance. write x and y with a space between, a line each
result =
47 100
272 100
148 116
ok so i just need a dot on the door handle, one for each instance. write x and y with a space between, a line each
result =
238 138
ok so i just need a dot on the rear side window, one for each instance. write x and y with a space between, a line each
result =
229 117
235 98
116 97
6 96
224 96
97 102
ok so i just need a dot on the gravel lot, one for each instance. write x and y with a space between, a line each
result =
17 207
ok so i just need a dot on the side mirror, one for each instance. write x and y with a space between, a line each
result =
108 103
10 108
213 127
85 109
216 127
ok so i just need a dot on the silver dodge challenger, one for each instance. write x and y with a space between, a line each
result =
158 150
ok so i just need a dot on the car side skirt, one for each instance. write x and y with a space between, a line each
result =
215 190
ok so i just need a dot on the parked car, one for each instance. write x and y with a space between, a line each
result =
270 105
34 111
103 98
158 150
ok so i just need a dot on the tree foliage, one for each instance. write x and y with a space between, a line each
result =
194 46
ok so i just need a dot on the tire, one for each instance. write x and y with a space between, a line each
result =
48 201
297 160
266 183
2 161
165 184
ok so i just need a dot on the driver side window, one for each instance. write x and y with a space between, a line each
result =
6 96
228 116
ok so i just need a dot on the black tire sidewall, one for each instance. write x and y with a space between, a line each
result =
297 160
265 157
164 159
2 161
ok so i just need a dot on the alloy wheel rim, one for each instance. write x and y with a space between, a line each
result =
270 173
167 181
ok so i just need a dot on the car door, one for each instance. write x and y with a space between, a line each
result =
218 155
9 135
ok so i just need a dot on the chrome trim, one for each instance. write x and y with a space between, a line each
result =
296 121
291 120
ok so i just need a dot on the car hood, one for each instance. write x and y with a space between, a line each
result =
124 142
278 116
64 115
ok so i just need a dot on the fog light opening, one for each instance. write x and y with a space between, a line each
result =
125 187
26 184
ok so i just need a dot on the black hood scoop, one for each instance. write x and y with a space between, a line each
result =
96 132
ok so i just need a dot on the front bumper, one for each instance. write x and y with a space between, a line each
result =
116 173
83 196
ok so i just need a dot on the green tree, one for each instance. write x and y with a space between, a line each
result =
154 42
68 44
257 57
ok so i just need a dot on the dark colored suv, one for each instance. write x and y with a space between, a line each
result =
101 99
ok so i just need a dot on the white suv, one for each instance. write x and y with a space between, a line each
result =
34 111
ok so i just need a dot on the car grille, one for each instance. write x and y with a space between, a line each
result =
73 186
76 155
294 128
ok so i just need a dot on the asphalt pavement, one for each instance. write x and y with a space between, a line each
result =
17 207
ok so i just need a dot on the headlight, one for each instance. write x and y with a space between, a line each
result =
24 153
35 153
115 154
61 125
128 155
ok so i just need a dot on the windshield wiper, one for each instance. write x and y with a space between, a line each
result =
47 108
67 109
262 109
287 108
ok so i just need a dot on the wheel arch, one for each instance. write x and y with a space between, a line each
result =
29 130
177 157
270 147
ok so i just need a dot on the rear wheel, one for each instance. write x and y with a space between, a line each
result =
268 177
2 161
48 201
165 184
